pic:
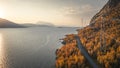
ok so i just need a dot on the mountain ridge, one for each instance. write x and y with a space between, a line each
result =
8 24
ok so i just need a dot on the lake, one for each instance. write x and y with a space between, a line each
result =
32 47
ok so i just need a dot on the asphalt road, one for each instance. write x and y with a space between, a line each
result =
85 53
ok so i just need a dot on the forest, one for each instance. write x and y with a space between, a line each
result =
100 38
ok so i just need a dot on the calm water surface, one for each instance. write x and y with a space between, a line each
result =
30 47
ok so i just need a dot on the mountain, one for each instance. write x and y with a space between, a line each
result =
8 24
42 23
101 39
39 24
109 12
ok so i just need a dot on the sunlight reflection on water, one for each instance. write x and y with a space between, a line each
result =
1 51
30 47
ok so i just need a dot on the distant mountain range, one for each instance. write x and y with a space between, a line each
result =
39 24
8 24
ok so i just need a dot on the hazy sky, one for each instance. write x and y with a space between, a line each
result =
58 12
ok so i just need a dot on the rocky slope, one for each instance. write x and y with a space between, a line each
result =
101 39
8 24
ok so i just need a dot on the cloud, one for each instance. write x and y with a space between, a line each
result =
81 11
70 10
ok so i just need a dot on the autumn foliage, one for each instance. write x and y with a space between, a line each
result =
101 42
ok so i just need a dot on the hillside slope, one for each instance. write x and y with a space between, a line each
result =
101 39
8 24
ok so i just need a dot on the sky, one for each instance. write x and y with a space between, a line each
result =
57 12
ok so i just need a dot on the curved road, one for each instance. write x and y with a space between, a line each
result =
85 53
